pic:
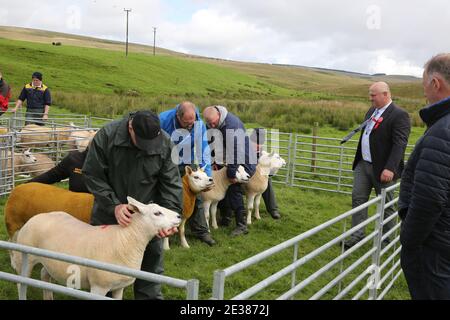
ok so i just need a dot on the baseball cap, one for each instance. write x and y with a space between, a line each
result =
147 129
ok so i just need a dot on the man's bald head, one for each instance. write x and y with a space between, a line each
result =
211 116
186 115
379 94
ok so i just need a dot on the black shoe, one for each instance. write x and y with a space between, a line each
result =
206 238
239 231
350 243
275 214
224 222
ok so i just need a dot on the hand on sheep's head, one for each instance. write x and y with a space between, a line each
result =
167 232
123 214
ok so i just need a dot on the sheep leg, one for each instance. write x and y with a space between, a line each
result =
250 202
99 290
257 202
117 294
166 245
45 276
183 240
214 215
206 206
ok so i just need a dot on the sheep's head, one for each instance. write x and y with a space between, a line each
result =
28 157
274 160
241 175
198 180
155 215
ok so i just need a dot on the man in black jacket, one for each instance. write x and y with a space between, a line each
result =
69 167
379 158
424 202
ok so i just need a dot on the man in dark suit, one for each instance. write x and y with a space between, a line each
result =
379 158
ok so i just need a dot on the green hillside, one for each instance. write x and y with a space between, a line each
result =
93 76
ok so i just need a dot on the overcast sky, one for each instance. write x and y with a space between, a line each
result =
376 36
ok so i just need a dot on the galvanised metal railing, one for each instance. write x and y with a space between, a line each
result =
378 266
191 286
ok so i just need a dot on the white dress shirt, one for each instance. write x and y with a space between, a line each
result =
365 142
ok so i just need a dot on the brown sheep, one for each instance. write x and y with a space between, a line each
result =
30 199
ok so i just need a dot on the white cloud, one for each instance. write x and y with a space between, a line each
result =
364 36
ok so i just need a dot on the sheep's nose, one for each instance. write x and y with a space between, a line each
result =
210 180
178 216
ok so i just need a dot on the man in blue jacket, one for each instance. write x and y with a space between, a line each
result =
188 133
238 151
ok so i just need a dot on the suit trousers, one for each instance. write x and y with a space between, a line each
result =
427 272
364 181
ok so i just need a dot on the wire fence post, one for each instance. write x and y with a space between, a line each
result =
374 279
192 289
294 272
294 160
219 285
341 156
314 147
289 161
24 273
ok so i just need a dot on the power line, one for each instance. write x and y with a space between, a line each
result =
154 40
127 11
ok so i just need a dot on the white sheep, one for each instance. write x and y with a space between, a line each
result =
268 164
60 232
82 138
221 183
194 182
21 160
42 164
33 135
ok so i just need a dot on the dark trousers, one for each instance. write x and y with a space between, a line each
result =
363 182
197 222
34 116
152 262
269 198
234 201
427 272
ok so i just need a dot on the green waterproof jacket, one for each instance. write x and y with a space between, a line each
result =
115 168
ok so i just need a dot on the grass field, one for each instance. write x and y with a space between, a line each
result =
91 76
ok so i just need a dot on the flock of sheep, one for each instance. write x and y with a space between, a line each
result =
56 219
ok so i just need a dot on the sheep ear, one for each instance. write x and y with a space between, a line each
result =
134 204
27 150
203 169
188 170
272 153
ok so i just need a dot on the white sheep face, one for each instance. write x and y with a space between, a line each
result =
275 161
28 157
159 217
241 175
198 180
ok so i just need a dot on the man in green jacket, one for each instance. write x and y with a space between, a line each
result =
132 157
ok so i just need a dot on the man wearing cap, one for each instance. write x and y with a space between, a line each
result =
188 132
132 157
5 94
38 99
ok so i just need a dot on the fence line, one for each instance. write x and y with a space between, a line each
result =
191 286
376 254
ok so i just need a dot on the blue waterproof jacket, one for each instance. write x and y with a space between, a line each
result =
197 138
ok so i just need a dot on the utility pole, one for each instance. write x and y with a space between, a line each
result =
127 11
154 40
